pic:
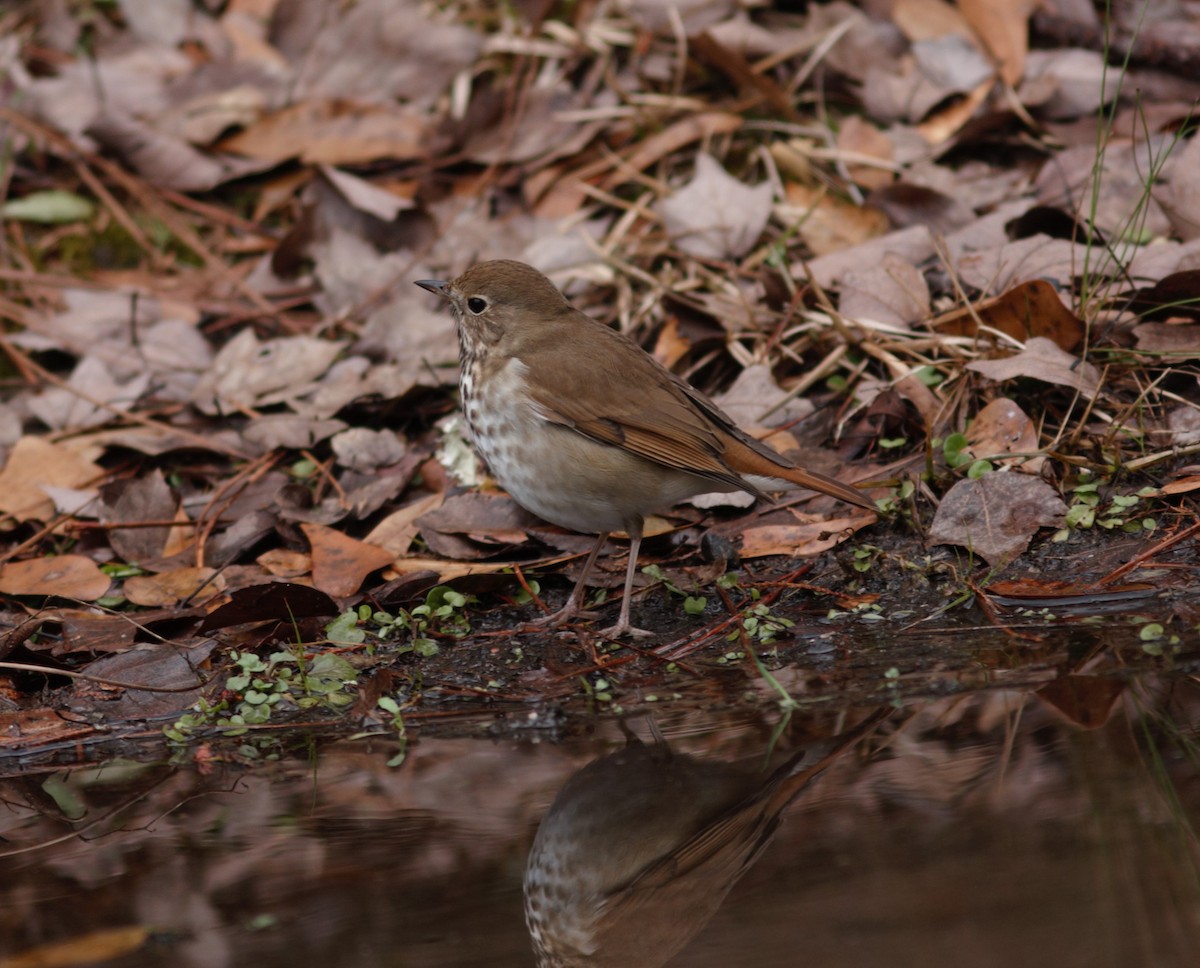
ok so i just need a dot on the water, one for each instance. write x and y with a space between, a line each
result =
977 830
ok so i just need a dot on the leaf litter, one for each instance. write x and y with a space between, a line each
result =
909 248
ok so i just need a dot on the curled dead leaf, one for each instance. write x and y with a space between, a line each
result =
996 516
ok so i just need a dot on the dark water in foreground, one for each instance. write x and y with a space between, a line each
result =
983 830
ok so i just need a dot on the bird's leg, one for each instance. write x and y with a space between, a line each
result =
573 607
623 627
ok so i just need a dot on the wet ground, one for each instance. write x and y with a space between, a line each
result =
1021 801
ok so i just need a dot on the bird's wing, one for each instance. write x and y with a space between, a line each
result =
634 403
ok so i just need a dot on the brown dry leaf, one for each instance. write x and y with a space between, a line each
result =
275 601
1067 180
1002 427
695 127
1185 485
333 132
341 564
90 396
1182 341
35 463
997 267
474 525
373 50
1176 296
715 216
92 632
542 131
828 224
996 516
194 585
135 501
364 449
756 391
365 196
1064 84
913 244
893 292
164 158
905 203
661 15
1029 309
813 534
942 126
670 347
1004 30
397 531
170 673
927 19
248 373
64 576
1087 701
1042 360
859 137
283 563
1180 196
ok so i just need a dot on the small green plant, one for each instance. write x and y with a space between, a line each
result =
759 623
286 679
692 604
1089 509
898 499
442 612
392 708
864 557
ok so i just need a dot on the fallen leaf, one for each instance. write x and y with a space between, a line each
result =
333 132
812 535
34 463
137 501
63 576
274 601
284 563
195 585
893 292
340 563
1003 29
715 216
1030 309
1000 428
1042 360
170 674
997 515
94 632
397 531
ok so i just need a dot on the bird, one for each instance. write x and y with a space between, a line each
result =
640 848
584 428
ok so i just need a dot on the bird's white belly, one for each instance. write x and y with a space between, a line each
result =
556 472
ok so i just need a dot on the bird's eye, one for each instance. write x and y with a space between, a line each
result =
477 304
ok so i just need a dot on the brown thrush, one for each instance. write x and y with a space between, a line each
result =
640 848
583 427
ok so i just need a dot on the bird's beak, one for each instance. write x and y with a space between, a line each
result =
434 285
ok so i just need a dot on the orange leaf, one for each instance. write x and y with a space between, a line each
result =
67 576
340 563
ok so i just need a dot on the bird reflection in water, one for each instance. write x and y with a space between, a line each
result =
639 849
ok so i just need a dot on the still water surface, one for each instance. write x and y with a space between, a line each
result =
983 830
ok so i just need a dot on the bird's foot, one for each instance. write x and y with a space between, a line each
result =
625 628
571 611
564 615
